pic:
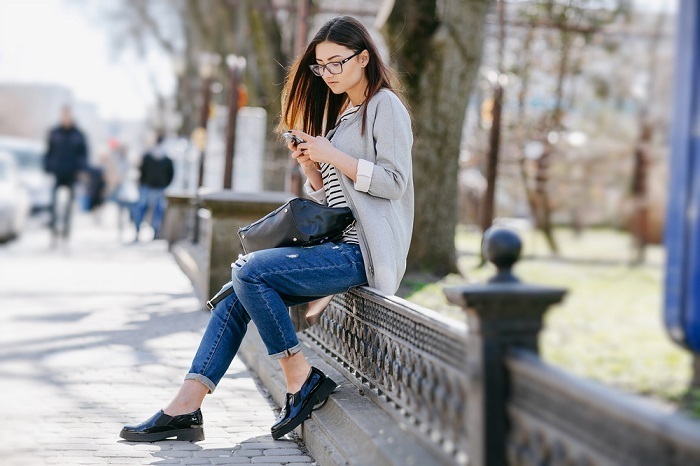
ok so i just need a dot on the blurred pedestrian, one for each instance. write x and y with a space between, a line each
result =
121 181
340 89
156 175
65 158
95 188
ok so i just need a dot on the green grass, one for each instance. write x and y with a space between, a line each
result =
609 327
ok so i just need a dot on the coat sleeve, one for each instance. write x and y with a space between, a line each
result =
48 165
318 195
170 172
83 153
393 139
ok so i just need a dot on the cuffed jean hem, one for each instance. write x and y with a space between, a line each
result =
203 380
288 352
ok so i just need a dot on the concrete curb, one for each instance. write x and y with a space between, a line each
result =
350 429
189 258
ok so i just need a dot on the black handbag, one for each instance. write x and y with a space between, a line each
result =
299 222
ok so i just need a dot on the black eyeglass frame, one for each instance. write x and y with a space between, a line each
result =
316 68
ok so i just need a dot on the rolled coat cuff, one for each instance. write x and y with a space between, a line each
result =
318 196
364 175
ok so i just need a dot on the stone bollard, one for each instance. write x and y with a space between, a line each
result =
501 314
231 210
178 214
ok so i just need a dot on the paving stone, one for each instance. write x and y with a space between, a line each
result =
239 460
248 453
267 445
282 452
105 342
282 459
186 446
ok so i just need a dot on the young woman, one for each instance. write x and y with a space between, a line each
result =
357 153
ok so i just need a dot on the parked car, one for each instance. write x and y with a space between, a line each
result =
14 200
29 155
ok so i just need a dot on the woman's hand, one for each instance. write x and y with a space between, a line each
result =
320 150
304 161
317 149
308 166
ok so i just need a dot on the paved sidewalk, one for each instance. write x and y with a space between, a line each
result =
101 334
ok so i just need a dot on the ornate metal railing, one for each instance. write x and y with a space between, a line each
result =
411 361
560 419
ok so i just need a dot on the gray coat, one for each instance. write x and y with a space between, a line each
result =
382 197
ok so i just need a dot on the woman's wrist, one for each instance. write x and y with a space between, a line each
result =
345 163
314 178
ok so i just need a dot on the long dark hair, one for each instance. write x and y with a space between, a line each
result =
308 102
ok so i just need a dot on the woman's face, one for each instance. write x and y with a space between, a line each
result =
353 70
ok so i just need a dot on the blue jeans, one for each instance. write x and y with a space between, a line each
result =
61 212
265 283
152 199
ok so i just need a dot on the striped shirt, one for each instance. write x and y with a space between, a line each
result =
336 198
331 185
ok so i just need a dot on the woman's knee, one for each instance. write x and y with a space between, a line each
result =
244 270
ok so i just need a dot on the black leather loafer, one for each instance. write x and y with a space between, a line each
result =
297 407
160 426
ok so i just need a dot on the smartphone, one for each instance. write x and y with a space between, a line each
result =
289 137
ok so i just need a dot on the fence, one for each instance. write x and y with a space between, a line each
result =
474 394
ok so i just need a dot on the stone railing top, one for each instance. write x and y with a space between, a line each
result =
180 197
232 202
630 413
413 311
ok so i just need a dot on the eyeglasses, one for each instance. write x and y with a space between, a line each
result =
335 67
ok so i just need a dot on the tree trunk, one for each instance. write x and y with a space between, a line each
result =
488 210
640 192
521 131
640 173
439 50
543 202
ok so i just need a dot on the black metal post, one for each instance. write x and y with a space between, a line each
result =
502 314
203 120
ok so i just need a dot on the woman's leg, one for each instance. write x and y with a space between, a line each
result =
159 205
267 282
189 398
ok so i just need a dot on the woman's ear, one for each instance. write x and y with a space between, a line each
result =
364 58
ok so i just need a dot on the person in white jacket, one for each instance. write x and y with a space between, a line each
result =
340 100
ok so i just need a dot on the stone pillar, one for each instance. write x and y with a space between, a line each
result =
501 314
179 212
229 211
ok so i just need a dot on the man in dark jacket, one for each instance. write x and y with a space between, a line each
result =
65 158
156 174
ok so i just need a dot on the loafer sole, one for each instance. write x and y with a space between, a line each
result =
187 435
319 397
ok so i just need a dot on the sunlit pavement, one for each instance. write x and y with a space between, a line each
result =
99 333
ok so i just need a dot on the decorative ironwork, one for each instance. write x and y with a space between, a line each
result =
557 419
410 360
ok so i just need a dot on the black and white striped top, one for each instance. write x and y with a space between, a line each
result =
331 185
336 198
